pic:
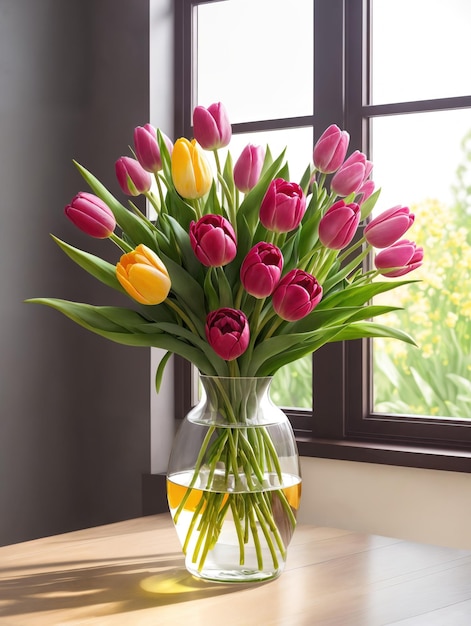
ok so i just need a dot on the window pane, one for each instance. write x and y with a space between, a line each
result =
430 172
256 56
421 49
298 143
292 385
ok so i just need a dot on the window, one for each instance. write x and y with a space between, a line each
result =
351 76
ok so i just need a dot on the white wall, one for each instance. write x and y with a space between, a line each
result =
161 116
429 506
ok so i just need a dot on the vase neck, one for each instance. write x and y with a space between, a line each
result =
236 402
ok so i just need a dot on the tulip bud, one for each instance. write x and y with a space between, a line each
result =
400 258
261 269
283 206
191 172
296 295
227 332
211 126
248 167
387 227
91 215
339 225
147 148
143 275
330 149
132 178
351 174
213 240
365 191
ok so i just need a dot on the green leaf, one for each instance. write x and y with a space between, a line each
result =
101 318
85 316
306 178
347 269
97 267
159 372
210 291
368 206
224 288
164 155
188 290
361 330
283 344
357 295
316 341
323 318
182 239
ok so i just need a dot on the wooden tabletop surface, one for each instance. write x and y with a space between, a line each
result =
132 573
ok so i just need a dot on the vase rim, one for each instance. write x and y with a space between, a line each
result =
209 376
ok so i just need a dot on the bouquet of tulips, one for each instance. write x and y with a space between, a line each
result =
240 271
236 268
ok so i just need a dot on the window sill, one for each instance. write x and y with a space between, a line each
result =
424 457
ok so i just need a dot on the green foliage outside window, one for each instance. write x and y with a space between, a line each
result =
433 379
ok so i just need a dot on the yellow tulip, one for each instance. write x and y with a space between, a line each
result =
191 172
143 276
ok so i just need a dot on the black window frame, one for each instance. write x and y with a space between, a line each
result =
341 425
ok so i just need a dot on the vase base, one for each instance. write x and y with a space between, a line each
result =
240 576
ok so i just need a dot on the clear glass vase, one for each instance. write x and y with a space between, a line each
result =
234 483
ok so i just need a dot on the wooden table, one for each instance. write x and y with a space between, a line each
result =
132 573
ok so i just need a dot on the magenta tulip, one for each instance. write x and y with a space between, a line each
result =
389 226
227 332
339 225
296 295
248 167
351 175
147 148
261 269
91 215
211 127
283 206
213 240
330 149
402 257
132 178
365 191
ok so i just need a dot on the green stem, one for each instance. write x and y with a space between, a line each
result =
173 305
274 326
351 249
239 529
125 247
150 196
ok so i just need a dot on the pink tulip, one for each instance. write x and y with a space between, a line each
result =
132 178
330 149
400 258
147 148
261 269
283 206
91 215
213 240
387 227
351 175
227 332
365 191
248 167
211 127
296 295
339 225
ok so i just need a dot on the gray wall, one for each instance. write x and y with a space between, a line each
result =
74 420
